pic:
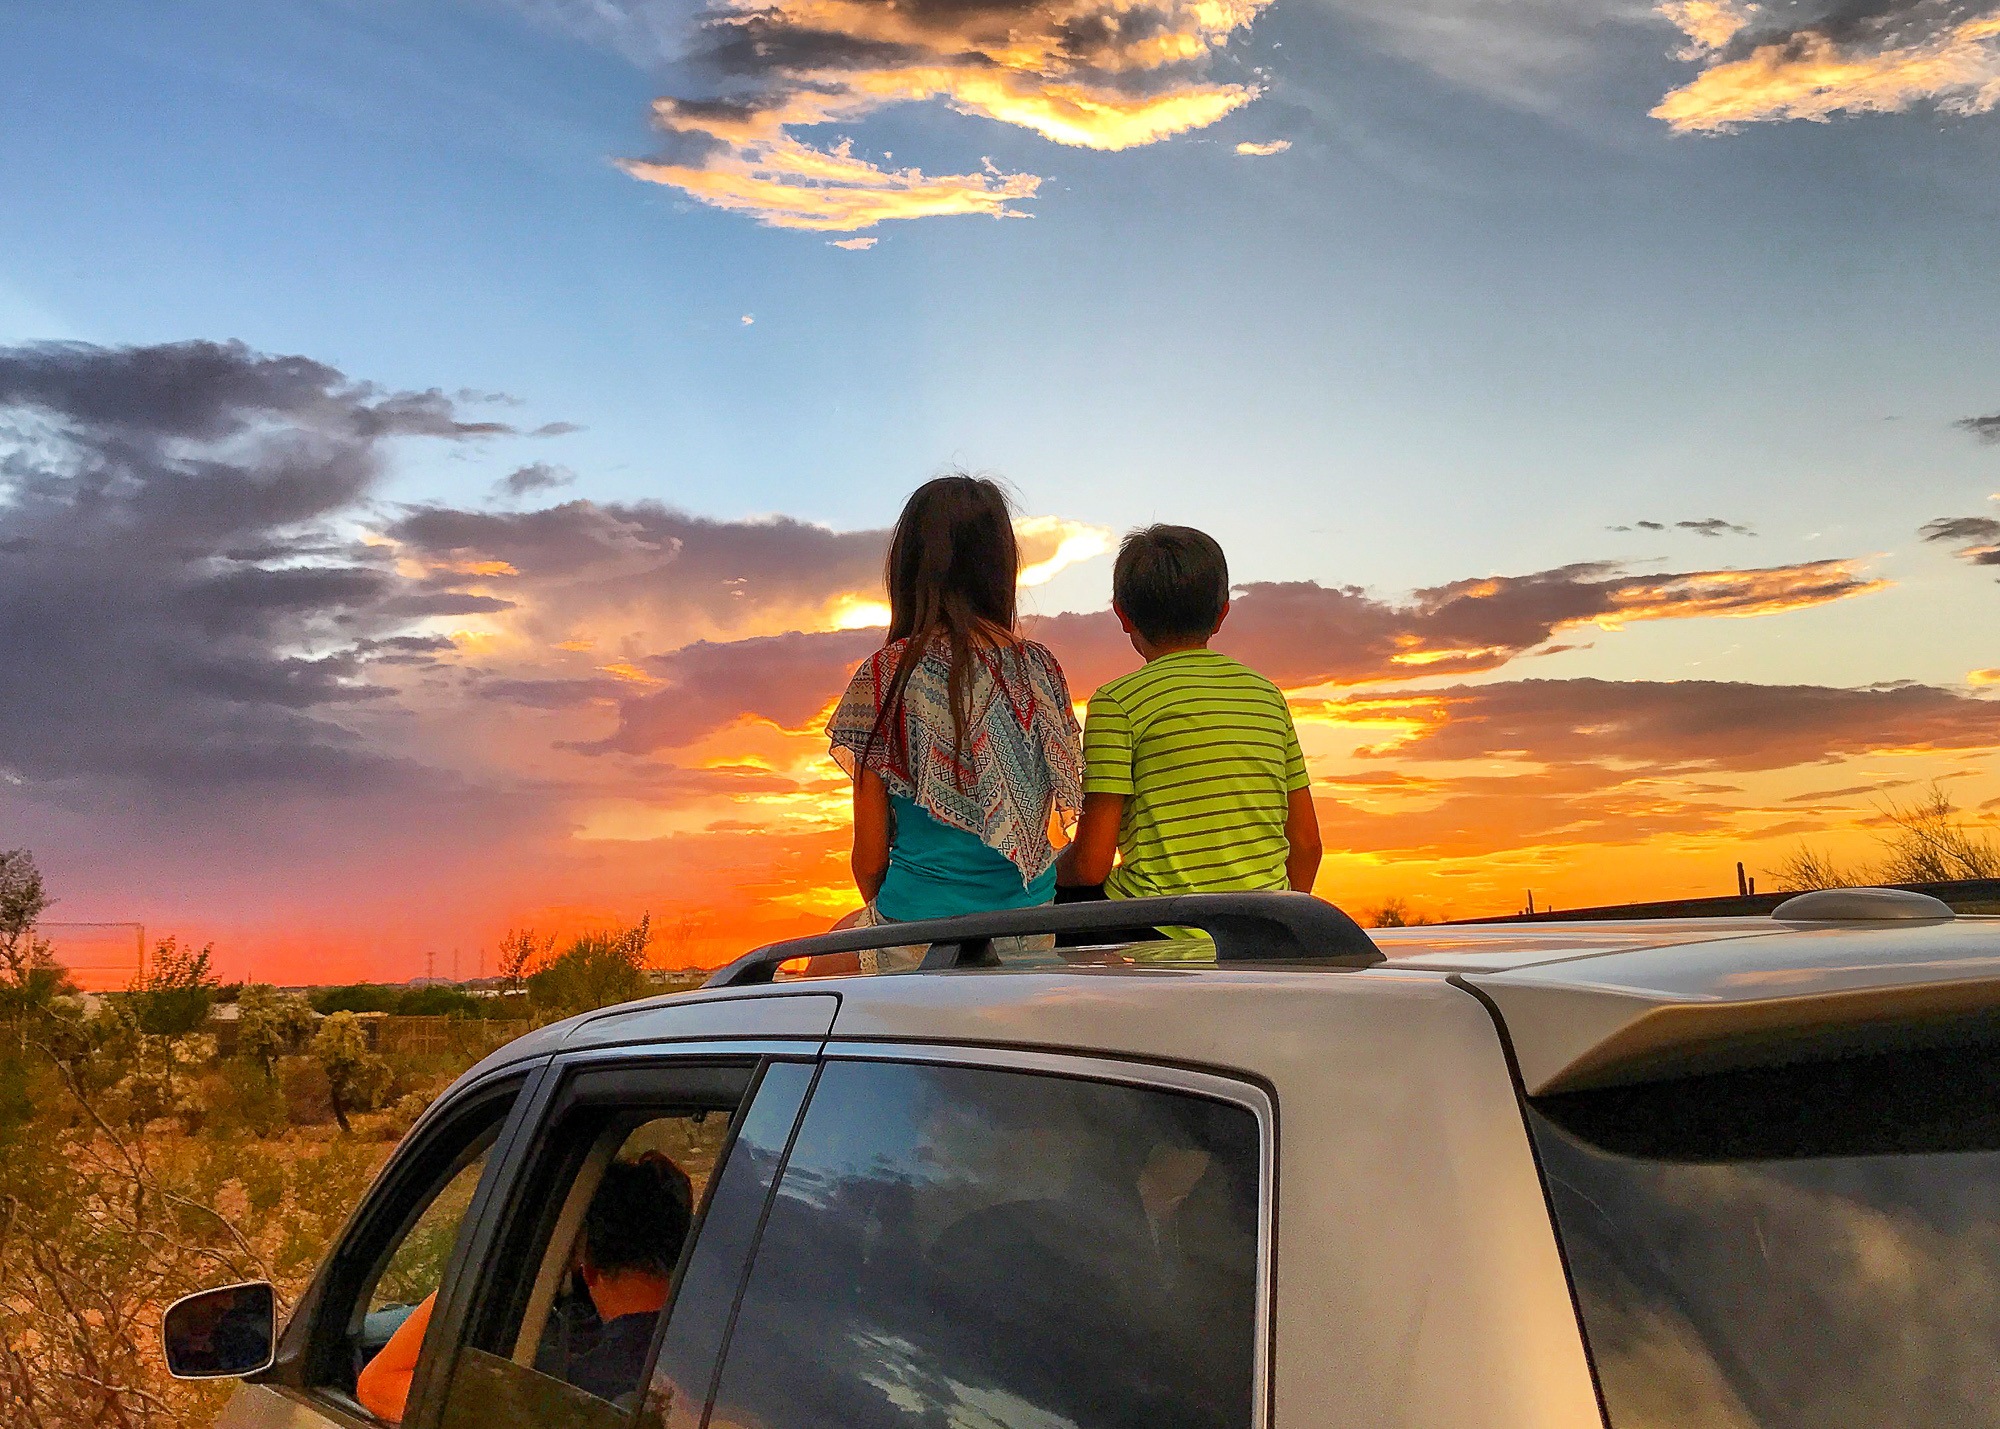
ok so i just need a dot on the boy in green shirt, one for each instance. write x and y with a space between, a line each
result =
1192 772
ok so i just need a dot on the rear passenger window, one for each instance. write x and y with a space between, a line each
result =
956 1246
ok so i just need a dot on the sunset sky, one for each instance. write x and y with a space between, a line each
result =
446 449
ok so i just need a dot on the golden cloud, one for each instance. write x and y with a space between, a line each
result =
1095 74
1883 62
1264 150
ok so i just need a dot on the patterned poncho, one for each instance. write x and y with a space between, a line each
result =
1022 753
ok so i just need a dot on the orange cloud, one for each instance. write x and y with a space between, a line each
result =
1263 151
1983 677
1900 55
1094 74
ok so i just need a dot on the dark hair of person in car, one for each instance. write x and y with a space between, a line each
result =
952 567
638 1217
1171 582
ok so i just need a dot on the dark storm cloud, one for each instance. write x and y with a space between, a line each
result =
1987 429
1977 538
1685 726
1299 634
1707 526
180 605
650 566
535 477
787 679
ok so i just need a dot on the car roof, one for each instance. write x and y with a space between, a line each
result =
1583 1005
1498 947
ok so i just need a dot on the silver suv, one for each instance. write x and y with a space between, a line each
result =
1715 1172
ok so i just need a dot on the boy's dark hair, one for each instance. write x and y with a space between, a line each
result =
639 1216
1171 581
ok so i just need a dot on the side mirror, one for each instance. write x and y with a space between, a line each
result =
221 1334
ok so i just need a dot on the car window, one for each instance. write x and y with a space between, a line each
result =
963 1246
1811 1246
417 1266
393 1260
585 1272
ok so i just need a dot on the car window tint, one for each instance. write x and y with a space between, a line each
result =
707 1290
394 1257
956 1246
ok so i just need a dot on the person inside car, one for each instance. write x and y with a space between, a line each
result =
625 1256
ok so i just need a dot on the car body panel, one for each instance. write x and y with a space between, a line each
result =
1647 1012
1418 1278
270 1406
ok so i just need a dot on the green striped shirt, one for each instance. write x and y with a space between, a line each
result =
1204 751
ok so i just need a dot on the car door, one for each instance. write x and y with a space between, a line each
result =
618 1245
401 1246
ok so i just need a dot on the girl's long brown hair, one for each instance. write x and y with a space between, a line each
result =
951 575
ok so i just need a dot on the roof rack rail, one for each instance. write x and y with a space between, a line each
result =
1246 927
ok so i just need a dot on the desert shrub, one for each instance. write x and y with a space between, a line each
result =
242 1099
308 1098
270 1025
356 1079
403 1114
1395 913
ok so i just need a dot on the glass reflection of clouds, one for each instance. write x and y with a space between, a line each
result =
1001 1250
1812 1246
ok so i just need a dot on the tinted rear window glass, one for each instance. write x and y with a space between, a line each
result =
1813 1246
967 1247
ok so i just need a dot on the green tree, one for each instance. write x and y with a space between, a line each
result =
1395 913
175 997
595 970
436 1001
355 997
29 976
271 1024
521 952
355 1077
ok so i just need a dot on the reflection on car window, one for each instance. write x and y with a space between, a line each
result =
1816 1247
960 1246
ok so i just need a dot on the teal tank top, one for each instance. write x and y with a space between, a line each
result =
938 871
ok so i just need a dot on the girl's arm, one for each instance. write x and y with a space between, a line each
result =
872 828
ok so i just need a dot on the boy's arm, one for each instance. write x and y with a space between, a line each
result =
1302 833
1087 860
1107 781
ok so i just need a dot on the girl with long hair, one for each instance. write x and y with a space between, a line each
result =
958 732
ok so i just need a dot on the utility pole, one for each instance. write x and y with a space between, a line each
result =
430 964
